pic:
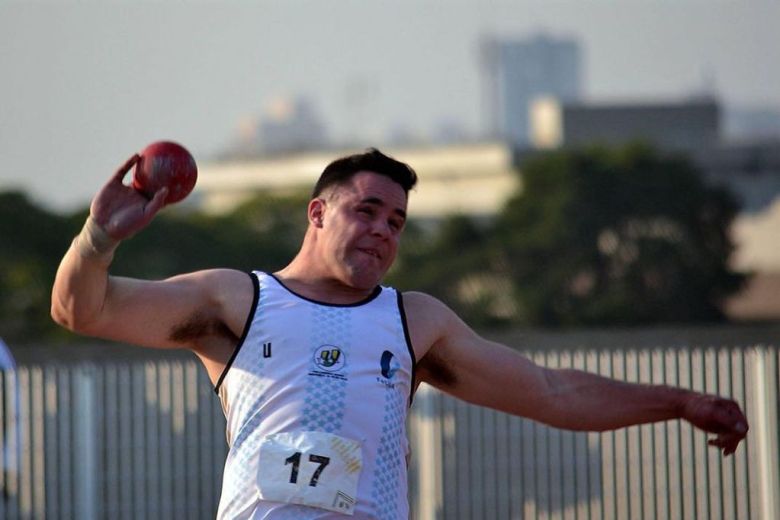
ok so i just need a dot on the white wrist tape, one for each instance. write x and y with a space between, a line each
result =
94 242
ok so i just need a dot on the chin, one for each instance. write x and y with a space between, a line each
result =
365 281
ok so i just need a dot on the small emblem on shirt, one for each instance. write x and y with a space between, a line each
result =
388 365
329 360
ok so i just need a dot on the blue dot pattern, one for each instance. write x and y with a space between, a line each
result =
390 471
325 396
240 468
241 462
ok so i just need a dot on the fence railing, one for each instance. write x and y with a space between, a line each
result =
472 463
146 440
114 441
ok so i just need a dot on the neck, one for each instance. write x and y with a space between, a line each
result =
302 279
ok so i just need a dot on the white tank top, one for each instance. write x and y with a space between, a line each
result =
305 370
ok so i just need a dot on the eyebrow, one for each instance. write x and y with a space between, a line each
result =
376 201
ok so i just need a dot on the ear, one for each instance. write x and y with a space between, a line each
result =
316 212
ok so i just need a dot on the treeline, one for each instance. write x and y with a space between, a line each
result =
594 237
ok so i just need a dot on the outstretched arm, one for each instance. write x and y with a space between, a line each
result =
482 372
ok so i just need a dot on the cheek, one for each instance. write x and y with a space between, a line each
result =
393 249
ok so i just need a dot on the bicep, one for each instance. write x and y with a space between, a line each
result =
171 313
482 372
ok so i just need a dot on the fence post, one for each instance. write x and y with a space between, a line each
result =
765 428
85 444
427 446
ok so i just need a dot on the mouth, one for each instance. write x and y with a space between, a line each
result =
371 252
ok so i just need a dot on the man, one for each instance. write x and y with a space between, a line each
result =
316 364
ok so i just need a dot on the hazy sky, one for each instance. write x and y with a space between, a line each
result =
85 84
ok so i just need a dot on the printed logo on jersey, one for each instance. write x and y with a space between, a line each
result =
330 362
329 358
388 365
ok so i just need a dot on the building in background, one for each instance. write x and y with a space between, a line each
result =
749 168
692 127
689 125
518 71
477 179
287 125
751 124
473 179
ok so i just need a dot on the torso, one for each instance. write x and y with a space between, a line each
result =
280 381
423 320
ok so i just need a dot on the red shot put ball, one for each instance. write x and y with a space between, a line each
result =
165 163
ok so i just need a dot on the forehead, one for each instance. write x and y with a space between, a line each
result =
370 186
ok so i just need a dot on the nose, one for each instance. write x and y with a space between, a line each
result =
381 229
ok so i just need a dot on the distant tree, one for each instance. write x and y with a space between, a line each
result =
594 237
456 261
263 233
624 236
33 240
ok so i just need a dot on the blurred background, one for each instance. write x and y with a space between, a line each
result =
599 186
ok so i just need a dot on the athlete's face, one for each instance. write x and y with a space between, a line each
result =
360 225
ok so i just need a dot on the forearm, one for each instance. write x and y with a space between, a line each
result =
81 283
580 400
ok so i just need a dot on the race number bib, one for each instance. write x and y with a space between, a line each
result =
313 469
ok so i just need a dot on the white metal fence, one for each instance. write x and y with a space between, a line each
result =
146 440
114 441
472 463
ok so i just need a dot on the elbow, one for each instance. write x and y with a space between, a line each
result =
66 316
63 317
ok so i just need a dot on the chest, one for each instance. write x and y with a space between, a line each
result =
332 342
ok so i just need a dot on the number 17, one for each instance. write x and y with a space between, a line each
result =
295 460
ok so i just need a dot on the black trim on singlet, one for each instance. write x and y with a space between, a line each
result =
408 341
247 325
377 290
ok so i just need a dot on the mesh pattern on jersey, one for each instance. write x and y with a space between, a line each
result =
241 463
325 396
390 468
389 464
240 468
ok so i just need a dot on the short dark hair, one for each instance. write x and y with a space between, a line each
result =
340 171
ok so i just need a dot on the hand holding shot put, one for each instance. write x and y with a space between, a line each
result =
164 173
315 377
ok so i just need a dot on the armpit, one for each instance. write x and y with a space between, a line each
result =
436 370
199 326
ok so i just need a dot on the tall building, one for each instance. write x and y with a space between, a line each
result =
517 72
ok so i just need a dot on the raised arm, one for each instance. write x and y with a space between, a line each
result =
82 281
203 311
486 373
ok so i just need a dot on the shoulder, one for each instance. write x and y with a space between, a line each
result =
218 284
232 288
425 306
213 303
231 280
225 294
428 319
221 276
